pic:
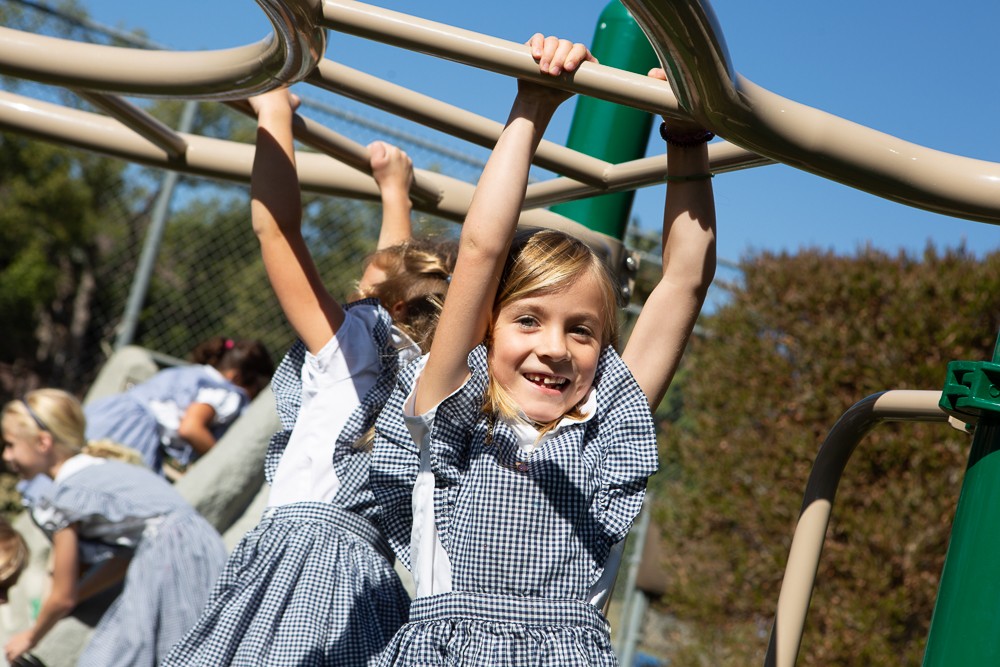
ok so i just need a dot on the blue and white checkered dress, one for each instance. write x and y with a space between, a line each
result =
526 539
313 583
120 508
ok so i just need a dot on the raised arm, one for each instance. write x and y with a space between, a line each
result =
490 223
661 333
393 173
276 211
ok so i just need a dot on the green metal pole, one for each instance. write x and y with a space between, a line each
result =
965 627
609 131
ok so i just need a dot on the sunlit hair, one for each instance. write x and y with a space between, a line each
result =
13 554
52 410
60 414
417 275
418 272
546 262
109 449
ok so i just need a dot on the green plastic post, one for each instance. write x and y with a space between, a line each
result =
609 131
965 627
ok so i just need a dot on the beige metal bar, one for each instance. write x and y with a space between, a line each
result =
686 35
232 161
343 149
810 532
447 118
288 55
496 55
636 174
139 121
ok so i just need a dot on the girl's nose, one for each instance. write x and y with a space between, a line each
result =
553 346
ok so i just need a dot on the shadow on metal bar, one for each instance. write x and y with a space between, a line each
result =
828 468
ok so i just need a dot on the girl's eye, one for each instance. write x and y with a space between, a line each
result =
582 331
526 321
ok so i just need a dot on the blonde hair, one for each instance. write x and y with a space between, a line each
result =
13 554
546 262
417 275
60 414
52 410
109 449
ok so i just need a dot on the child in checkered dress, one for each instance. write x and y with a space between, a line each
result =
314 583
511 461
109 521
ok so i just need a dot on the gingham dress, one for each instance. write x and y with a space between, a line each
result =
313 583
133 417
176 556
526 538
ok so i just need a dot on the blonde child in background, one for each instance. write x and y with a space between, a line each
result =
108 520
313 583
512 461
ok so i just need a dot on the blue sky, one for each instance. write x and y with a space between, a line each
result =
922 71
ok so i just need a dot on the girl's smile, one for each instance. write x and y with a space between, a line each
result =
544 349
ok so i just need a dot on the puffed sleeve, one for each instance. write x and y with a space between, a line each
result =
627 438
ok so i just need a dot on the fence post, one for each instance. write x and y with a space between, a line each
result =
151 246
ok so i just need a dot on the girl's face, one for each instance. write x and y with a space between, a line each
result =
545 349
22 452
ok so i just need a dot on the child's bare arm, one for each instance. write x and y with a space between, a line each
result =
276 210
490 223
661 333
393 173
62 595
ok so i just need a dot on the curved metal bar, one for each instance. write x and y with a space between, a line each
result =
286 56
686 36
817 503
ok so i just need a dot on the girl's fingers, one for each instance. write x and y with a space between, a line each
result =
556 56
658 73
578 53
536 43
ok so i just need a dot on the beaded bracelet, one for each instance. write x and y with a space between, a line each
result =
688 178
685 140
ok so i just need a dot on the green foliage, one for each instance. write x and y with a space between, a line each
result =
60 208
801 339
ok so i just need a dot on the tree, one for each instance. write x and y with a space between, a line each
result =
802 338
61 210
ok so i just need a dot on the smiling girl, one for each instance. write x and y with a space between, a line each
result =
511 462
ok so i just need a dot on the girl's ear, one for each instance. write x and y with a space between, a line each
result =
45 442
398 311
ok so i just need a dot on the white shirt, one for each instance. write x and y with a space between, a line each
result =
333 382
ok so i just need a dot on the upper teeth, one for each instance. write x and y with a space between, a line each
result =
546 379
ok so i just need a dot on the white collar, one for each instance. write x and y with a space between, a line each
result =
77 463
528 439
